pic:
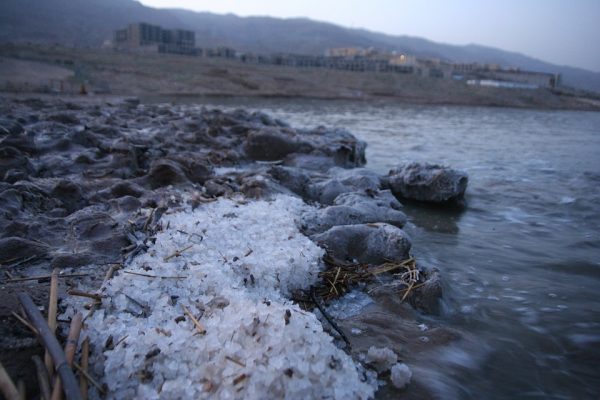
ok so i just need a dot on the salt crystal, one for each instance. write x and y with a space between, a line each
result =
400 375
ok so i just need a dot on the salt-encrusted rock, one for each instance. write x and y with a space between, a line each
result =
380 198
351 209
295 179
259 187
381 358
314 162
12 248
69 194
126 188
346 150
400 375
271 144
344 181
427 297
10 127
165 172
428 182
14 161
366 243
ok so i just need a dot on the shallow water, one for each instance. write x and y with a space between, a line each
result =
521 264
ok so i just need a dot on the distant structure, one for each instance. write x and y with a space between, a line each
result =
142 37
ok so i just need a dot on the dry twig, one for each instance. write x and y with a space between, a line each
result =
197 323
48 339
7 386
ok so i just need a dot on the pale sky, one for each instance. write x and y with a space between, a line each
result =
564 32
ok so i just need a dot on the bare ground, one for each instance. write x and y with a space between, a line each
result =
31 68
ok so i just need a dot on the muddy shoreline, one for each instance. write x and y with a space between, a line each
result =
83 180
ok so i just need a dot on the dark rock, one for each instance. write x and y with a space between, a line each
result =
84 138
217 188
270 144
427 297
368 243
12 159
309 161
14 175
64 118
165 172
126 188
21 141
71 260
127 203
345 181
352 209
379 198
295 179
10 127
345 149
12 248
90 223
70 195
428 182
261 187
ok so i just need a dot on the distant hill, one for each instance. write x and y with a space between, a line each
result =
88 23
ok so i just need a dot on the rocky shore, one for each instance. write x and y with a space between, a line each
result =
85 187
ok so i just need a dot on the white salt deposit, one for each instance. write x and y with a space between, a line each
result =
382 358
400 375
243 263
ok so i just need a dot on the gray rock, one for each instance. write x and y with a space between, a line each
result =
14 248
313 162
343 147
427 297
270 144
428 182
368 243
165 172
295 179
344 181
355 208
10 127
380 198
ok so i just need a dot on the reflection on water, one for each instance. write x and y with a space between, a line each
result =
521 264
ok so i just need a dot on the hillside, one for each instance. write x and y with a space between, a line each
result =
88 23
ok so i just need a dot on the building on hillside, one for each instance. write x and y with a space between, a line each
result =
144 37
529 78
346 52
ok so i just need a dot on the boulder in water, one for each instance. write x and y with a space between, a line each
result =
428 182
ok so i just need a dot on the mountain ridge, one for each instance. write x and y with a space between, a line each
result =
88 23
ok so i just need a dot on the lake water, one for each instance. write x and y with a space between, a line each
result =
521 265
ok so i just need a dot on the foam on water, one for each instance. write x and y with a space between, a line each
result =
244 261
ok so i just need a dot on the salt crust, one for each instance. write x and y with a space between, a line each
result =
382 358
400 375
244 261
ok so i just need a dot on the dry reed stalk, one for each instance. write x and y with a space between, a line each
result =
40 277
7 386
42 377
22 390
52 304
197 323
89 378
49 341
177 253
79 293
85 361
70 348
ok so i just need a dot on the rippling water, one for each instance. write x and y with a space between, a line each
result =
521 264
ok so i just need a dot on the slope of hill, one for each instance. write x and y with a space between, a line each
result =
83 23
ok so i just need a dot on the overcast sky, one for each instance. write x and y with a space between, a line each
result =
565 32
